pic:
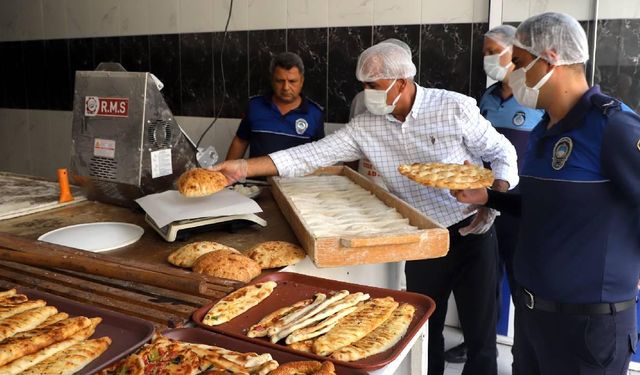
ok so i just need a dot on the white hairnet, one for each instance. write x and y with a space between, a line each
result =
555 37
503 35
384 61
398 42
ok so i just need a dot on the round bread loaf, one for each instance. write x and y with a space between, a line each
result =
187 255
272 254
228 265
199 182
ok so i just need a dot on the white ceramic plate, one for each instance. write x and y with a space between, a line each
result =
95 237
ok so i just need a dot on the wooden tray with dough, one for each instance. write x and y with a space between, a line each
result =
431 240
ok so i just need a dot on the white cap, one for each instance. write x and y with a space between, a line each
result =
555 37
503 35
385 60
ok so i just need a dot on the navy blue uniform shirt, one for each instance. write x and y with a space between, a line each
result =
267 130
580 237
510 118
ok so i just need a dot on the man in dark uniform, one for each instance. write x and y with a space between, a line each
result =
281 119
579 250
514 121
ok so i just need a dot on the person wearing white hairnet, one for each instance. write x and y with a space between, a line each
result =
406 123
515 122
578 255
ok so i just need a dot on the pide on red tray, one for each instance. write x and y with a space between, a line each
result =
359 326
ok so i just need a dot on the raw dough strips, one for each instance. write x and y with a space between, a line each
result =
336 206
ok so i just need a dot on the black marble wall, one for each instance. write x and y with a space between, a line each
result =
618 60
40 74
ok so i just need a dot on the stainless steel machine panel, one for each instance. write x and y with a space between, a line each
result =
126 142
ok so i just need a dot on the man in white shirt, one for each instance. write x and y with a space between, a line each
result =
407 123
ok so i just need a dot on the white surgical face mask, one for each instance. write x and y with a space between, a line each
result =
493 68
376 100
527 96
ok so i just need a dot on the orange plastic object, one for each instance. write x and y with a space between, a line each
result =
65 191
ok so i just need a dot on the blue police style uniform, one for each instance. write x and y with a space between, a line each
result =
578 258
267 130
515 122
509 117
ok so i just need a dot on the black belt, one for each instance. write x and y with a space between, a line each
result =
536 303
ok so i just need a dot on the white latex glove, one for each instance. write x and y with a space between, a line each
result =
233 170
481 222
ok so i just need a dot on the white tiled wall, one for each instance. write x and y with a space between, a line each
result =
267 14
519 10
105 17
307 13
195 16
397 12
161 15
56 25
79 15
55 19
52 19
350 12
619 9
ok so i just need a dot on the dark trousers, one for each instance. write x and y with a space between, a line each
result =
469 271
507 228
507 231
556 343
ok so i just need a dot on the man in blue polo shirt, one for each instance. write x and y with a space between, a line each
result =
578 256
515 122
281 119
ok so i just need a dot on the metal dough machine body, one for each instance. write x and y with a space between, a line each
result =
126 142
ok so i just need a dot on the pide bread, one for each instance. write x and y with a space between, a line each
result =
381 339
228 265
187 255
25 321
199 182
355 326
167 356
71 360
7 293
448 176
261 328
272 254
335 206
37 339
13 309
238 302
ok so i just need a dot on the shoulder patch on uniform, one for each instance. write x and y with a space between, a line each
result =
638 145
605 103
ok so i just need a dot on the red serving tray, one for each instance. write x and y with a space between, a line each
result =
127 333
199 336
293 287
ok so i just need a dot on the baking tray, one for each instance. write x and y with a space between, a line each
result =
199 336
127 333
431 240
293 287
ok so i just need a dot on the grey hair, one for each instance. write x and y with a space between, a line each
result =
286 60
